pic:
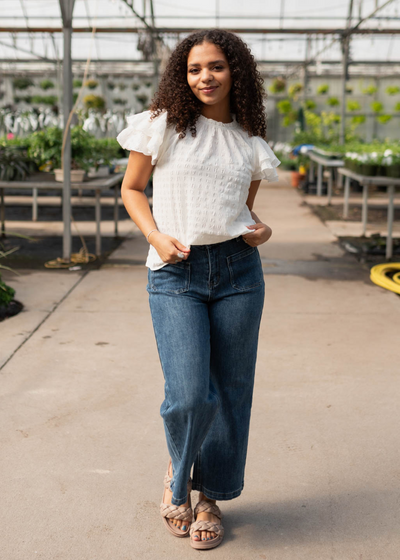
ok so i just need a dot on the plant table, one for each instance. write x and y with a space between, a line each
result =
43 182
365 181
323 161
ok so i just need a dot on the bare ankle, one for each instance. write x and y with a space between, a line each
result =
203 497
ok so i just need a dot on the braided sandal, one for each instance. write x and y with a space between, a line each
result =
201 525
171 511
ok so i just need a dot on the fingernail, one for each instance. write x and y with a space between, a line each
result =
183 528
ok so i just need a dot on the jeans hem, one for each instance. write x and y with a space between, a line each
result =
180 501
217 495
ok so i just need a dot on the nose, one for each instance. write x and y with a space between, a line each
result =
206 76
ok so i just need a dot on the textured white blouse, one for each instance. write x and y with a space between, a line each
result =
200 184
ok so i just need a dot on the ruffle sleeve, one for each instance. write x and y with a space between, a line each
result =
144 135
265 161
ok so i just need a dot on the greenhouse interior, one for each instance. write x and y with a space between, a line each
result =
73 71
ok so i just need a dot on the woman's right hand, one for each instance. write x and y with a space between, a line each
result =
168 247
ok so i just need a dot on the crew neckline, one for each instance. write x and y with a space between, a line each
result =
213 122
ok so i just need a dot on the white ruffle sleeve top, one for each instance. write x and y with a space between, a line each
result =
200 184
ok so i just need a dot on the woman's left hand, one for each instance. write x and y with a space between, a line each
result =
261 234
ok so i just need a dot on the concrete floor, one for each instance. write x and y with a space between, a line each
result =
83 448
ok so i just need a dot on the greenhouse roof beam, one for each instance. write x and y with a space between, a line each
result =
247 30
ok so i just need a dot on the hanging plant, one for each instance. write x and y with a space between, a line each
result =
44 99
353 105
91 84
376 106
309 104
349 89
397 107
290 118
120 101
135 87
122 86
358 119
148 84
110 85
370 90
77 83
323 89
392 90
294 90
94 102
22 83
383 119
333 101
142 99
284 106
46 84
278 85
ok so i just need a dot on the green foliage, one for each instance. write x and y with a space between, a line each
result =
358 119
120 101
46 84
77 83
14 162
290 118
333 101
122 86
44 99
287 163
105 150
383 119
353 105
22 83
376 106
91 84
148 84
392 90
284 106
309 104
110 86
370 90
278 85
6 294
45 147
294 90
94 101
322 89
397 107
142 98
74 97
135 87
26 99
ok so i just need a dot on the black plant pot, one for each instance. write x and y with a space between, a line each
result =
13 308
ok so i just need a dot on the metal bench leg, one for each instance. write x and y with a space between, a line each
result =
365 209
34 205
311 172
319 180
330 180
346 198
98 220
389 239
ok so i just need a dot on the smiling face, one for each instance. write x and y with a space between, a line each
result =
208 75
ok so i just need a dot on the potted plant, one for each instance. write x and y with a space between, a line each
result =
383 119
122 86
392 90
294 90
46 84
22 83
94 102
8 305
323 89
309 104
278 85
104 151
110 85
45 149
397 107
77 83
370 90
376 106
91 84
120 101
14 163
353 105
333 101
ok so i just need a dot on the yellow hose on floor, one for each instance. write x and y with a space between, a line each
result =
379 276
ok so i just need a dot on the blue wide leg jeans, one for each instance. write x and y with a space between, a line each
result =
206 314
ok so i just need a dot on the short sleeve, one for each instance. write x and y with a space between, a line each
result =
265 161
144 135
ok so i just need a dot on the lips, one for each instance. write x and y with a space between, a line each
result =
209 89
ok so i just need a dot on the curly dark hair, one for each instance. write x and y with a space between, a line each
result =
247 93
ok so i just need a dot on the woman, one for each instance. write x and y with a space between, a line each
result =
204 138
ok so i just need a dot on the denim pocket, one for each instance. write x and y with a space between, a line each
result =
173 278
245 269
